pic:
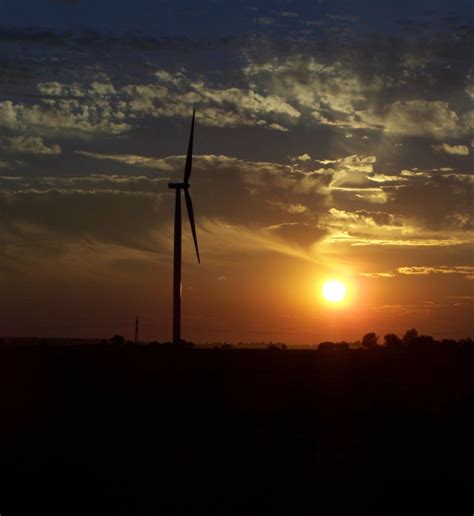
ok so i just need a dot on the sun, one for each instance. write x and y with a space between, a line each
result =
334 291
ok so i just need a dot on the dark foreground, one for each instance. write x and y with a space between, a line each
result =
149 431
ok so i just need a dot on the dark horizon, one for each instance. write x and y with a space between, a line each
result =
140 430
386 341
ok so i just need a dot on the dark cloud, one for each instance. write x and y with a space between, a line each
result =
439 201
299 233
380 218
107 216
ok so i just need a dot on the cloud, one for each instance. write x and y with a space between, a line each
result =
436 199
99 106
466 270
415 118
470 85
303 157
377 275
429 208
304 88
56 89
329 94
141 221
107 216
255 198
87 184
294 209
77 90
62 115
414 201
352 170
294 203
333 83
164 164
218 237
384 178
364 228
300 233
86 108
343 237
245 100
458 150
256 175
352 177
468 119
32 145
366 218
177 95
265 20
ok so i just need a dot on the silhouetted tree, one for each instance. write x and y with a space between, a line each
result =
273 347
409 337
369 340
392 341
333 346
467 343
326 346
449 344
422 342
117 340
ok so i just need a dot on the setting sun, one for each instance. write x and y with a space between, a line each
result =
334 291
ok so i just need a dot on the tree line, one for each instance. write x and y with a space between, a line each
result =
411 340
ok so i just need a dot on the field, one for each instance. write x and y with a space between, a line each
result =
126 430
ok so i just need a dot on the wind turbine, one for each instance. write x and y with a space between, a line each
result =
177 235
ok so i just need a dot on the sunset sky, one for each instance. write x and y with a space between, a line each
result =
333 141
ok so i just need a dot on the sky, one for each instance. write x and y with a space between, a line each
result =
333 140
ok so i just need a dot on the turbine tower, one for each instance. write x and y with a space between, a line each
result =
177 235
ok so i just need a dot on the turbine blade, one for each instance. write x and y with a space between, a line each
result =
189 157
189 206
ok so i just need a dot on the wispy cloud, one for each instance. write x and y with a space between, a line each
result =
466 270
357 241
377 274
135 160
